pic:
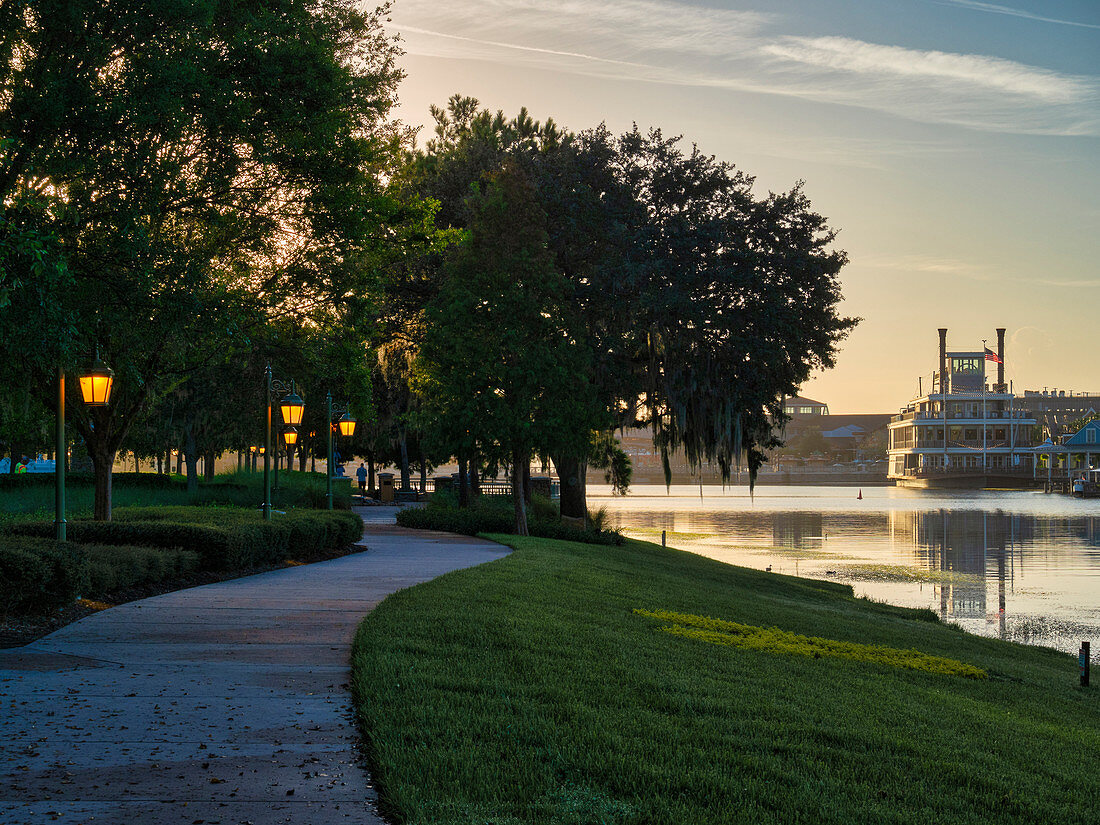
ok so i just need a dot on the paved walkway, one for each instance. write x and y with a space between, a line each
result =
226 704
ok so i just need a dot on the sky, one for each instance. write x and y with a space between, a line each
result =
954 144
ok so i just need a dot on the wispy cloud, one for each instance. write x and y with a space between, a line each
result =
1031 341
993 8
1069 283
955 268
672 43
878 152
533 49
927 264
930 68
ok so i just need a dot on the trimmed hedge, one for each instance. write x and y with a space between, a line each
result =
39 575
224 538
152 481
112 568
149 544
489 518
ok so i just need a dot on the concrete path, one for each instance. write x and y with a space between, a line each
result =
227 703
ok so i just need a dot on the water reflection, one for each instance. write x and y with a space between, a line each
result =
1012 565
801 530
971 543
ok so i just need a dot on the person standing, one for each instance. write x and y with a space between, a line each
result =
361 474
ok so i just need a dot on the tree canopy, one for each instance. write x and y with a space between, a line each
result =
184 163
499 358
698 305
195 189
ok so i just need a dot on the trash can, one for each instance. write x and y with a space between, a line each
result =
385 488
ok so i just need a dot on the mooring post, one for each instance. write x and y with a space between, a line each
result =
663 539
1083 663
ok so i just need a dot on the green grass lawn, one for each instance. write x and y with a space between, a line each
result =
34 501
529 690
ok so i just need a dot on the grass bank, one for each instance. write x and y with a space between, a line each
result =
532 690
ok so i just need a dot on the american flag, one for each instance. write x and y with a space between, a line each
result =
990 355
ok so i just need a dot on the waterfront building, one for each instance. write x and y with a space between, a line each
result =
1056 410
846 436
1075 456
799 406
964 432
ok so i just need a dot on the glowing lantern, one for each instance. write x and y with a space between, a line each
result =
292 409
96 384
290 436
346 425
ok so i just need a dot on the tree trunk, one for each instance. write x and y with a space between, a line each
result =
571 475
14 457
403 444
463 484
208 465
520 460
423 475
179 462
475 480
191 452
525 474
370 474
103 463
301 459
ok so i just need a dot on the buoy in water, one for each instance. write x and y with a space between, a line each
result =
860 496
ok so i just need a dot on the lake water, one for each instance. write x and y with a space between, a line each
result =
1019 565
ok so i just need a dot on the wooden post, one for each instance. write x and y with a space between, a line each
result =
1083 663
663 539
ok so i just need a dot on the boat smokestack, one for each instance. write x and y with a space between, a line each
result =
1001 359
943 360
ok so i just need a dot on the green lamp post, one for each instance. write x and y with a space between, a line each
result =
291 408
346 427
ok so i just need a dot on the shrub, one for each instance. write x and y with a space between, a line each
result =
224 538
150 544
154 481
544 509
112 568
487 516
39 575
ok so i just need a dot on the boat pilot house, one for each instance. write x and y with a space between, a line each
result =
967 430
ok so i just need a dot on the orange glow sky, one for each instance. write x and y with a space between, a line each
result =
953 142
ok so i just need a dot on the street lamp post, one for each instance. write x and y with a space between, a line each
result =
290 439
59 458
347 428
291 407
95 388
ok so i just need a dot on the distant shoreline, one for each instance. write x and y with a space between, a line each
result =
779 480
